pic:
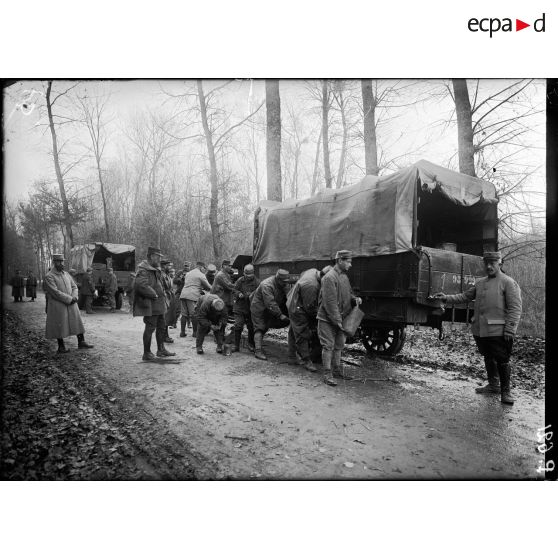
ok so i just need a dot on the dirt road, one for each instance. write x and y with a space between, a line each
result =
237 417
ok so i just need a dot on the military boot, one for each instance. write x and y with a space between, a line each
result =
237 338
162 352
505 379
62 347
493 385
258 344
168 339
338 370
326 361
183 326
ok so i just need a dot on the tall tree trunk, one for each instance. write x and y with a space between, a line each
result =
103 197
369 112
273 108
316 163
325 132
343 157
68 237
464 127
213 206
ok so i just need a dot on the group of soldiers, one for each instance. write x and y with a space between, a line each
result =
313 309
24 285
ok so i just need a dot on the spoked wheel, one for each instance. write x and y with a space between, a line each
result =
383 341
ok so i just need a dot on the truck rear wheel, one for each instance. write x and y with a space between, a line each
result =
384 341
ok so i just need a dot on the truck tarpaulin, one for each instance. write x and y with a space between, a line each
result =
374 217
81 256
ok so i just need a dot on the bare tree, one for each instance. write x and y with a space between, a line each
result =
50 102
93 114
369 103
464 116
273 111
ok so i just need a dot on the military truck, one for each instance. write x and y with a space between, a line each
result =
101 256
413 233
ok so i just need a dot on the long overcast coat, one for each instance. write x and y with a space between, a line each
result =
63 318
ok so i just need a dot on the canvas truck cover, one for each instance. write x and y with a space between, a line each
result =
81 256
372 218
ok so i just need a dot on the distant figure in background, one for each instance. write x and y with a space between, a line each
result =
111 288
195 283
497 313
18 285
211 315
31 286
63 317
88 290
150 302
210 273
244 287
169 296
269 308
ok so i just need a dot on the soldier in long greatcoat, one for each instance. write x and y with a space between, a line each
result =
18 286
31 286
63 317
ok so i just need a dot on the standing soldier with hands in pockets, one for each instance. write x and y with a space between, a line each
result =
497 312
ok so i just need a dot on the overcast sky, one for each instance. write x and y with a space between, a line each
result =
27 141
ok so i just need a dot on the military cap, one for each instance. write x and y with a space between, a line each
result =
492 256
218 304
165 261
248 269
58 257
200 264
72 271
153 250
226 262
89 269
343 255
188 264
282 274
211 268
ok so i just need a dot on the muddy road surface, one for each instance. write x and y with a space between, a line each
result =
235 417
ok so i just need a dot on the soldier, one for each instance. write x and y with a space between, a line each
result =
88 290
111 288
63 317
210 273
302 304
335 302
195 282
150 302
178 284
31 286
18 284
244 287
211 314
268 308
223 286
169 296
497 312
